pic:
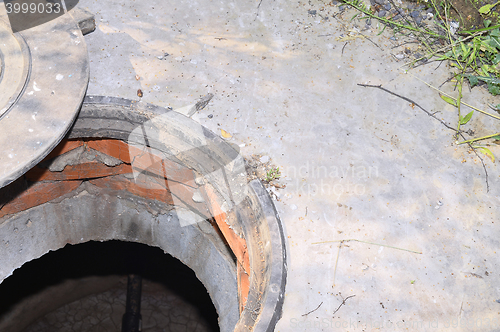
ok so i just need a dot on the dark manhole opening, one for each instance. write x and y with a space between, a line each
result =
83 288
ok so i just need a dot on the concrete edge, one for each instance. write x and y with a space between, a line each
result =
275 291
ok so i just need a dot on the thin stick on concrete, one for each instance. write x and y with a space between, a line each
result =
410 101
375 244
442 122
343 302
313 310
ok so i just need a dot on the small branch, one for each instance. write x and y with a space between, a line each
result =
444 123
343 302
375 244
482 163
410 101
344 47
258 7
313 310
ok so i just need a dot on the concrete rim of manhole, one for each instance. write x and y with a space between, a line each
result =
248 296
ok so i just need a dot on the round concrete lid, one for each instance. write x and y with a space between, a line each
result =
44 74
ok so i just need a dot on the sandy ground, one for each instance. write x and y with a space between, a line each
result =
420 229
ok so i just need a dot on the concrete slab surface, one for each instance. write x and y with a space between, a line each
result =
420 230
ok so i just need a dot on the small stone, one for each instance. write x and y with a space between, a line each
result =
414 14
264 159
198 198
210 116
380 2
382 13
418 20
397 17
199 181
369 21
293 207
342 8
163 57
387 6
312 12
400 56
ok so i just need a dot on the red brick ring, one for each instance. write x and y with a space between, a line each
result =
190 198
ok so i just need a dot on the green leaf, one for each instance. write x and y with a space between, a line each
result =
465 119
493 42
487 152
449 100
497 137
472 80
491 80
480 30
487 23
412 282
487 47
485 9
496 40
494 89
497 59
495 32
465 49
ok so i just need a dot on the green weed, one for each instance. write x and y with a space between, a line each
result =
273 174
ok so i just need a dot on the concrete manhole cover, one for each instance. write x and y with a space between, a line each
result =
44 74
15 65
